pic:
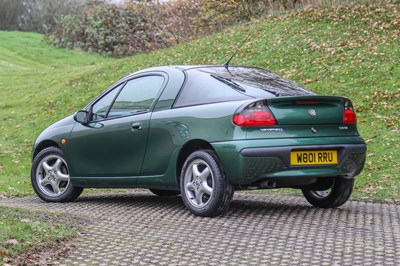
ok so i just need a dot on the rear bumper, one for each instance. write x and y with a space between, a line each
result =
248 162
284 152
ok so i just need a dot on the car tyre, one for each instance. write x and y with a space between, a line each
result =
204 187
50 177
165 193
339 192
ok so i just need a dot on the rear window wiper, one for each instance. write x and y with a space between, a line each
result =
229 82
277 94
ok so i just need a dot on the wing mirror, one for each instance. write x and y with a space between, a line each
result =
82 117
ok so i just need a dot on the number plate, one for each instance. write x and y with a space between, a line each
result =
313 157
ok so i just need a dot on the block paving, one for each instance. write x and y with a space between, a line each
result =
139 228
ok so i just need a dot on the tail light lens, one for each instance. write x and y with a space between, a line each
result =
349 116
254 115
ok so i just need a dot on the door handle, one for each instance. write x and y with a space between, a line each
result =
136 126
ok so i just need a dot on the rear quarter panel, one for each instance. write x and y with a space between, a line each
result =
171 129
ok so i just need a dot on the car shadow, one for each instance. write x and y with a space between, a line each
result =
242 205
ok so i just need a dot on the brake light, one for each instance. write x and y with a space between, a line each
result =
308 102
349 116
255 115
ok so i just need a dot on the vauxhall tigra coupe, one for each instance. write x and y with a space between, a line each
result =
203 132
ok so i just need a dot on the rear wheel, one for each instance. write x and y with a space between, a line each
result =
205 189
165 193
335 195
50 177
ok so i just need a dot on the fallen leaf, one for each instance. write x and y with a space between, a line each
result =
12 242
3 253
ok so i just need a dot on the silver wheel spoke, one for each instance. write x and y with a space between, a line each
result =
199 197
203 176
61 177
323 193
206 188
192 195
189 186
57 165
46 167
196 171
320 193
44 182
55 187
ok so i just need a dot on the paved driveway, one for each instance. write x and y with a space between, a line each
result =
142 229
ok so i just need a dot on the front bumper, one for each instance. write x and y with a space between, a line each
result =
247 162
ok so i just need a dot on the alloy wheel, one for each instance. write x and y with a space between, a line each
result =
322 194
199 183
52 175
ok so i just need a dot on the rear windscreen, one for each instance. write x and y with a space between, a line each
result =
258 82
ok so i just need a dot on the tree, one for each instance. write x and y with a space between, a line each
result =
9 14
34 15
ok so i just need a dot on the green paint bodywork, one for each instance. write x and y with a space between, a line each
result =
109 154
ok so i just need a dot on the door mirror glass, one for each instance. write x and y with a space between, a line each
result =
81 117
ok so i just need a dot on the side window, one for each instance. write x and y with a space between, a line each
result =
137 96
101 107
202 88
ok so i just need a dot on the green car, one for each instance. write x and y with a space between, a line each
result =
203 132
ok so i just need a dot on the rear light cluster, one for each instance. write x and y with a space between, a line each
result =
254 115
258 114
349 116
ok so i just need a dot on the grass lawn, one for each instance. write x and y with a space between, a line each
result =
21 231
34 92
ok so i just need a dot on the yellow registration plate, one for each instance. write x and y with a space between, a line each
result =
313 157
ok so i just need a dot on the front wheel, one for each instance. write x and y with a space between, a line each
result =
205 189
50 177
336 195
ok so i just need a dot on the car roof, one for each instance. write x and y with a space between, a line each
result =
185 68
189 67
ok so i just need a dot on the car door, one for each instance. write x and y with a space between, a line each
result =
113 143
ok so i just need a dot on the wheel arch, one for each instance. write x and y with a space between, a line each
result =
187 149
43 145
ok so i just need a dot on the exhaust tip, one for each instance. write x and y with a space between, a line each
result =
268 184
